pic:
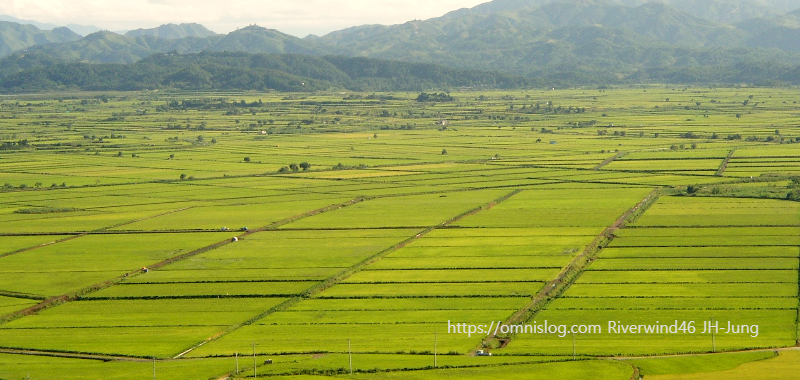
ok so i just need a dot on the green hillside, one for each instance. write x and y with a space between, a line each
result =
240 71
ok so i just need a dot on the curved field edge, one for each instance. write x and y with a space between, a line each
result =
784 364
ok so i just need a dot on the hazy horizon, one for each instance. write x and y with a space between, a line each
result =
298 18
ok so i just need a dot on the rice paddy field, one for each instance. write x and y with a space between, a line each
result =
654 233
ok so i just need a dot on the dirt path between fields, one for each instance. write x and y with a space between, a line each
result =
347 273
724 165
53 301
571 272
80 234
610 160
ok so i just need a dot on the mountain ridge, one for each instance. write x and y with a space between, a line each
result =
15 36
533 38
173 31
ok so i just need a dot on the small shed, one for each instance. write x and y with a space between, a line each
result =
235 239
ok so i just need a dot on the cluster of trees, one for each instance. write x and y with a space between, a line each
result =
794 189
206 104
440 97
14 145
549 108
37 185
682 146
294 168
341 166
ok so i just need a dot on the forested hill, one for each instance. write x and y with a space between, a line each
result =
296 72
240 71
550 43
15 36
729 11
585 35
173 31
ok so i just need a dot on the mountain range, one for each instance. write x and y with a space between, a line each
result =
173 31
714 10
83 30
604 40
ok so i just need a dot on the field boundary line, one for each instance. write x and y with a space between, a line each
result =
72 355
22 250
724 165
57 300
797 318
24 296
556 287
142 219
677 355
76 235
610 160
637 374
348 272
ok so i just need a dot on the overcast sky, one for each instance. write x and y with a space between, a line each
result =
296 17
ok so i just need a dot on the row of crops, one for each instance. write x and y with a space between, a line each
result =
687 259
393 235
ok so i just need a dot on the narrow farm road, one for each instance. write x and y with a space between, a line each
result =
573 270
345 274
53 301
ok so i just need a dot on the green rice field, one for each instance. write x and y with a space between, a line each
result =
316 237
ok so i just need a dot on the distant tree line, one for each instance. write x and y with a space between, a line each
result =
37 72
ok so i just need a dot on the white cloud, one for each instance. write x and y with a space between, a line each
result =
299 17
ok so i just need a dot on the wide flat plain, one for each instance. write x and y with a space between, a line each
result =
357 232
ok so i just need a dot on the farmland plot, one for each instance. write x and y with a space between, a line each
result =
658 271
464 224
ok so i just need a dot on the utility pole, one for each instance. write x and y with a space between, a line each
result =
350 354
237 363
573 346
435 339
154 368
713 341
254 361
